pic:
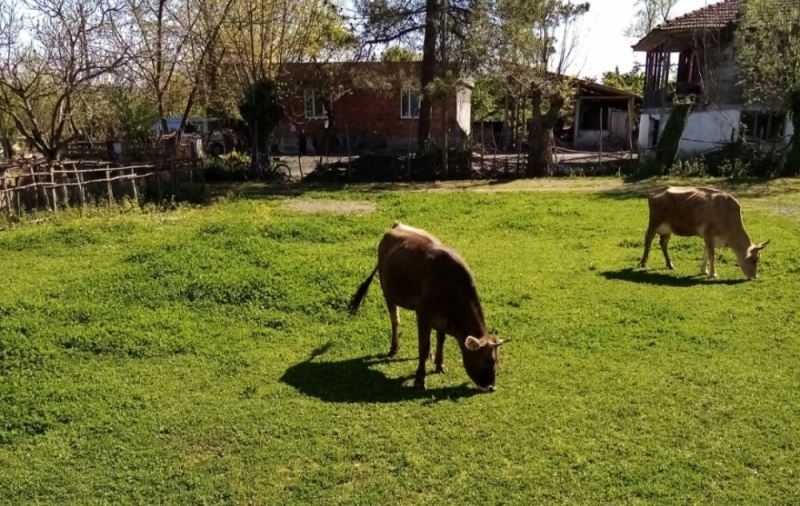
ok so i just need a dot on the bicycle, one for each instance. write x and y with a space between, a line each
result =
275 169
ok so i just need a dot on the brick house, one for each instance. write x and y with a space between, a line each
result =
362 106
705 44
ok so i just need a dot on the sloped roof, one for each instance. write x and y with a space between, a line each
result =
712 17
717 15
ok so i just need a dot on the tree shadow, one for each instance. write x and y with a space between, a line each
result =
354 380
663 279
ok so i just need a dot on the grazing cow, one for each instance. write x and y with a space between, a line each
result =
421 274
711 214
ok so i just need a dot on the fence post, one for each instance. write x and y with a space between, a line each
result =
349 154
81 191
19 200
109 187
53 188
6 198
64 187
158 184
35 188
133 186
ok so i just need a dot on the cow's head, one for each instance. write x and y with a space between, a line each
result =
749 264
480 360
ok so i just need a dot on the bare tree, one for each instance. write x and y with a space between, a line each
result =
649 14
64 51
168 43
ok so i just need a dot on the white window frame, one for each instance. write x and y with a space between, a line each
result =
312 97
406 95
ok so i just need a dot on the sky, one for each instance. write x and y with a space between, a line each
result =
603 44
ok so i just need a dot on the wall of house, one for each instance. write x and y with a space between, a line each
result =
372 121
705 130
720 80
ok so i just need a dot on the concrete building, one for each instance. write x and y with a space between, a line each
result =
704 43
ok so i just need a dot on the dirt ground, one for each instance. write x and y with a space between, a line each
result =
330 206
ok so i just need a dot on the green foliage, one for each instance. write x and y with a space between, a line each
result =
135 117
769 56
228 167
260 107
400 54
487 99
632 81
205 356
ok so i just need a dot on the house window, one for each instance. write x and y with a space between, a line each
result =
762 125
315 105
409 104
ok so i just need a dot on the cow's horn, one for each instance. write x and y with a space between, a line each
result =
499 342
764 244
472 343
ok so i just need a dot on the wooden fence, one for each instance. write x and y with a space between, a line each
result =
51 186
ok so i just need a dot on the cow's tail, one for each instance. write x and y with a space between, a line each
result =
358 297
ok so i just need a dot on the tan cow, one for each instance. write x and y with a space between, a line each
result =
704 212
420 273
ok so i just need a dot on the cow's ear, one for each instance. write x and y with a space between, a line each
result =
472 343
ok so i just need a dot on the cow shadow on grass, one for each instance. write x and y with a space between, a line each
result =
646 277
355 380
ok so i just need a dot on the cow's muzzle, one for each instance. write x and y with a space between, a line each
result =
489 389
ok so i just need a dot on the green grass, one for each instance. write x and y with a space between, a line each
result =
204 356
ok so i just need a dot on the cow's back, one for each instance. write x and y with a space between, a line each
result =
690 211
415 267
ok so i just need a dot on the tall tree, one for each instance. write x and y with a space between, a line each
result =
516 41
769 60
66 50
426 25
649 14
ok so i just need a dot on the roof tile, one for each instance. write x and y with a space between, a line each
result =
717 15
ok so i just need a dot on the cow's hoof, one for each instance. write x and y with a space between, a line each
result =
713 275
671 267
441 369
392 352
642 265
420 385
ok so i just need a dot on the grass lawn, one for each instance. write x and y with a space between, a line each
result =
204 355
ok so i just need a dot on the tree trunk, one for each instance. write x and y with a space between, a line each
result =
427 71
540 134
793 158
540 157
5 138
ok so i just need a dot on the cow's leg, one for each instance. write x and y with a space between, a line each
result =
712 273
704 264
424 335
394 316
664 242
440 368
648 239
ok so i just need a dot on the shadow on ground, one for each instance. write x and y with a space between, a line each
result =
664 279
354 380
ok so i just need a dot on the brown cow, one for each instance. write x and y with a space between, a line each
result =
705 212
421 274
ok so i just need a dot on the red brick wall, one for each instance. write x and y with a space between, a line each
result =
362 113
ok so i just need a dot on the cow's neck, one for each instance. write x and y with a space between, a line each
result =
739 242
472 323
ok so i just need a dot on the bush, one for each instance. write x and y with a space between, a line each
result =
230 167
